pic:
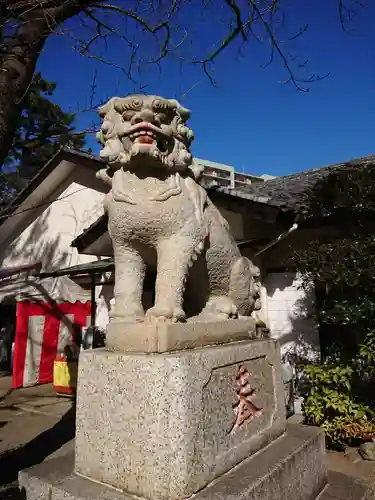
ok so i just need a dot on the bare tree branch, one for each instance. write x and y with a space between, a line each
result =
151 31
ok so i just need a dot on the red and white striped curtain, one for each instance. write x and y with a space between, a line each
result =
42 330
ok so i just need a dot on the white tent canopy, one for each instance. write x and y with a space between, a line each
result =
61 289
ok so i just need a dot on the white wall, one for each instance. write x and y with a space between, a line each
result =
49 237
104 294
291 317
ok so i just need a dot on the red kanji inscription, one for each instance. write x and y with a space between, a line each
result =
247 407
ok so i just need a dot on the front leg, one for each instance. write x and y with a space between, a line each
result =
175 255
129 277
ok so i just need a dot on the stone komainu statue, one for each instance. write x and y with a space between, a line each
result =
157 208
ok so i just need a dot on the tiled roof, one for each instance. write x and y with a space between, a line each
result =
279 193
288 191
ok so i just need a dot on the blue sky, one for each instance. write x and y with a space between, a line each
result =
250 120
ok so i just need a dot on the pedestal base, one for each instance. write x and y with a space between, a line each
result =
163 426
292 467
165 337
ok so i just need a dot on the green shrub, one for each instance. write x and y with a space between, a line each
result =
340 395
330 405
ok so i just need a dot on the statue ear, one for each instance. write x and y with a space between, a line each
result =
183 112
197 170
108 106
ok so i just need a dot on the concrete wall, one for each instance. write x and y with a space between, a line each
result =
235 221
48 238
291 315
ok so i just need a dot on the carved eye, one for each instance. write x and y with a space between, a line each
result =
136 103
161 117
128 115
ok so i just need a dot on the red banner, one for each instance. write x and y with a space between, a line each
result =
42 330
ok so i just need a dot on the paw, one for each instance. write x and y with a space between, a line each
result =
222 307
162 313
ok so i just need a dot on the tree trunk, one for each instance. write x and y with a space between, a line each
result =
17 66
16 72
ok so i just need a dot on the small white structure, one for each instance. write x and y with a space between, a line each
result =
291 317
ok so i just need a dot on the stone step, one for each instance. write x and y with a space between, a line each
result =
290 468
344 487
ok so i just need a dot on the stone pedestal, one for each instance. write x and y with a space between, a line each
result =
206 422
163 426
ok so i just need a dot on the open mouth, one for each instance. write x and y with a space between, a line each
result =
145 134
